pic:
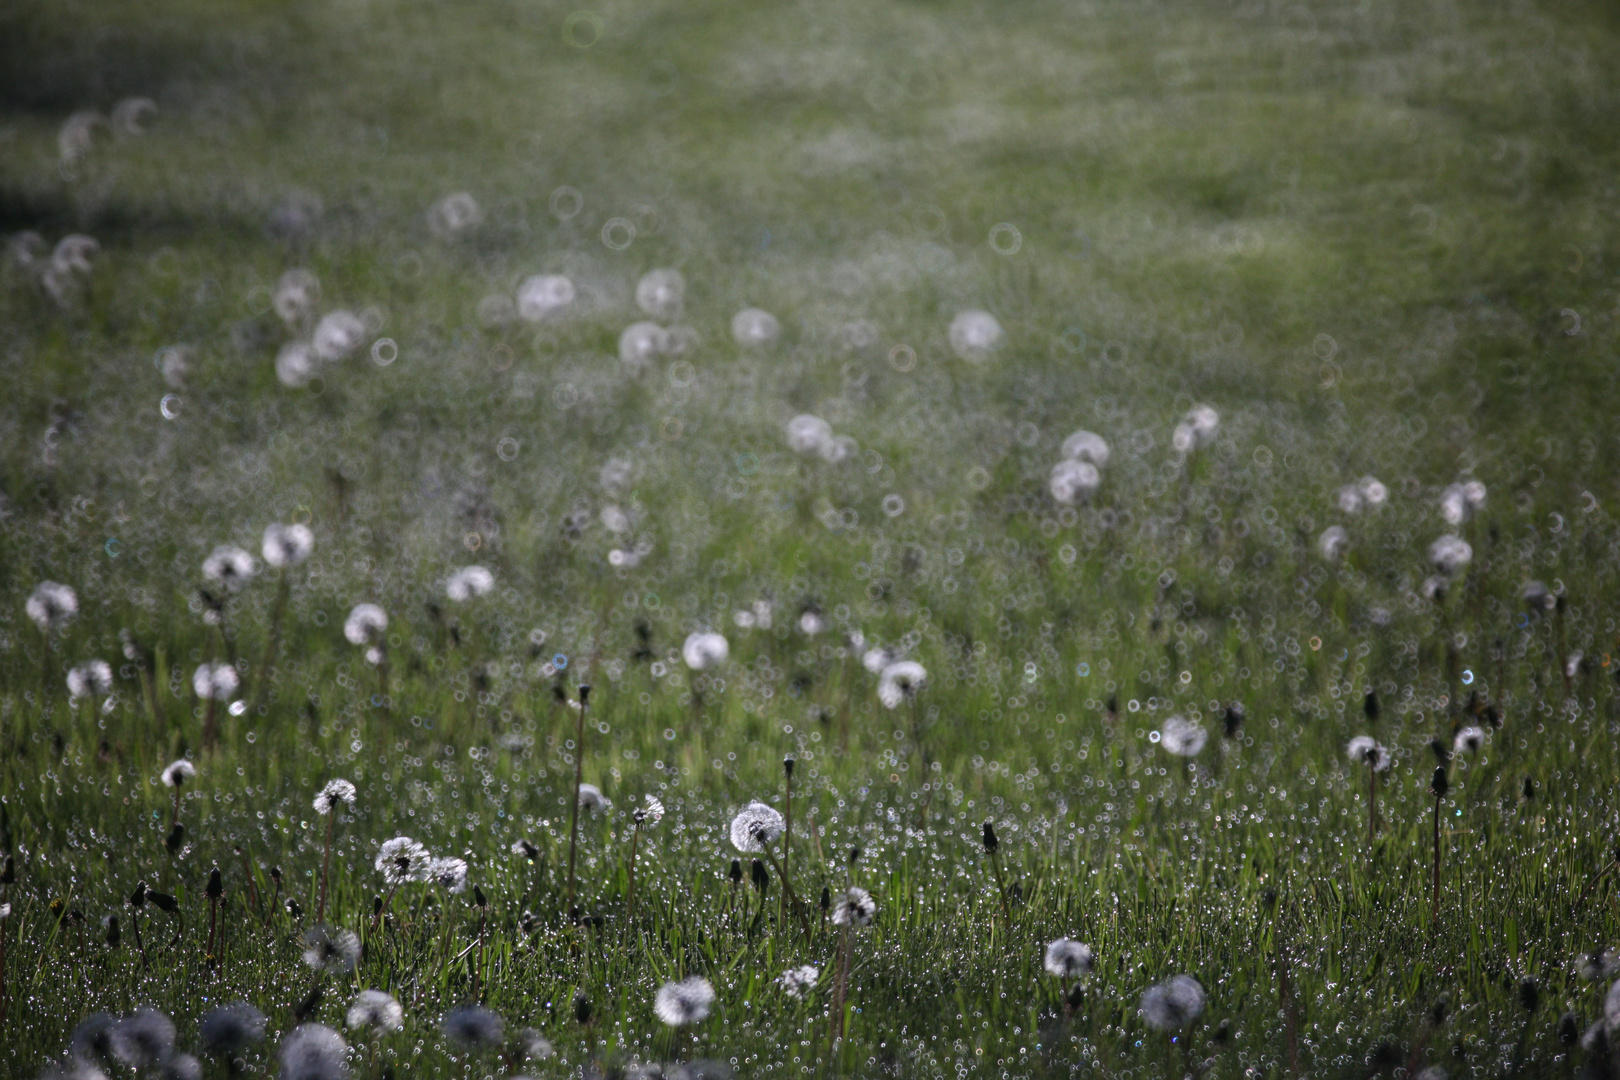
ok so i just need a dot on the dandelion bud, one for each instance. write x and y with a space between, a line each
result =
736 872
137 899
8 876
582 1008
275 874
216 887
787 767
163 901
1440 1009
310 1005
1077 995
760 877
295 909
855 854
478 897
1234 719
1369 705
1529 789
584 693
990 841
826 900
376 907
113 934
1439 785
1569 1029
1529 995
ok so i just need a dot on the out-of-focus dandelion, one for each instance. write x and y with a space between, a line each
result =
230 566
1196 430
852 910
1469 740
366 626
338 335
1459 502
474 1027
52 606
375 1012
705 650
91 679
808 434
1364 750
798 982
1173 1004
213 683
468 583
296 364
314 1052
1068 959
683 1003
294 298
753 328
76 138
661 294
334 794
454 215
142 1039
592 799
900 682
1333 542
1087 446
650 813
641 343
543 297
131 115
1073 481
176 776
284 547
1182 737
975 335
230 1029
1450 553
331 949
449 874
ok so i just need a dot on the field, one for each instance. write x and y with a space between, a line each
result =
1332 281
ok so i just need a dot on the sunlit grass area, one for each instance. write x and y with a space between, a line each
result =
782 323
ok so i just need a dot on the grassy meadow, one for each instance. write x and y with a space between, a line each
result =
1377 239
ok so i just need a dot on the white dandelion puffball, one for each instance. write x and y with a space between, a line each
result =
614 519
77 135
1333 542
287 545
468 583
808 434
876 659
617 474
543 297
335 793
1469 740
337 335
331 949
686 1002
1196 430
592 799
1067 958
402 860
449 874
900 681
72 254
1365 750
1074 481
313 1052
756 826
641 343
453 215
377 1011
798 982
1349 499
296 294
650 812
1173 1004
230 566
1373 491
215 682
178 773
1182 737
92 679
811 623
1459 502
130 116
1086 446
52 606
661 293
295 364
705 650
1450 554
854 908
753 328
365 624
975 335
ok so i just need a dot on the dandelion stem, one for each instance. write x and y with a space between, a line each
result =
1372 804
787 840
630 901
787 891
274 642
573 807
1434 904
326 867
1001 890
837 1026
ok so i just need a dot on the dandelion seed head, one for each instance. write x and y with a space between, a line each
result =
651 811
449 874
1350 499
180 1067
142 1039
179 772
1373 491
215 682
402 860
1459 502
314 1052
230 1029
661 294
799 981
1182 737
1173 1004
287 545
365 624
808 434
975 335
1469 740
530 1045
1333 542
686 1002
230 566
900 682
296 364
755 827
73 253
376 1011
330 948
811 623
468 583
642 343
1067 958
544 296
1450 553
474 1026
1196 430
453 215
705 650
1365 750
1087 446
616 474
1074 481
338 335
92 679
335 793
52 606
295 296
592 799
753 328
854 907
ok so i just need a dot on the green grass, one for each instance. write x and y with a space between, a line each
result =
1377 237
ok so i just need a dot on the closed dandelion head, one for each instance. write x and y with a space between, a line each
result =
754 328
215 682
1067 958
543 297
855 907
335 793
1182 737
755 827
230 566
1468 741
449 874
650 812
1450 553
403 860
661 294
230 1029
178 773
313 1052
686 1002
92 679
287 545
705 650
975 335
592 799
474 1027
468 583
330 948
1172 1004
900 682
52 606
365 624
142 1039
1072 481
799 981
1365 750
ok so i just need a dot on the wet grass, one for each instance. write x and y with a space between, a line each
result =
1377 237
